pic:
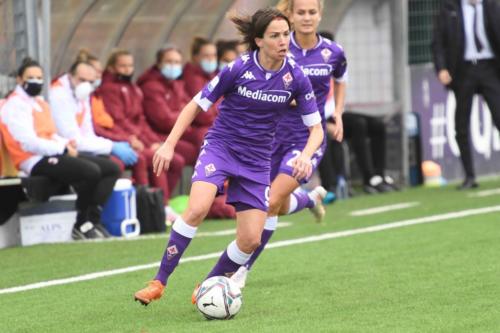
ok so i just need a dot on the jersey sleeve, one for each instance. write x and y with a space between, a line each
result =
218 86
340 66
306 101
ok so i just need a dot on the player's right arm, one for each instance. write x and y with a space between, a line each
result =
164 154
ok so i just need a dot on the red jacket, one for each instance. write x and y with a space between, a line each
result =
195 79
123 102
163 99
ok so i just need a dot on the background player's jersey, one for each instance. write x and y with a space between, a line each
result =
320 64
254 101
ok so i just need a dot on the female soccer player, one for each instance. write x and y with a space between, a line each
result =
257 89
320 59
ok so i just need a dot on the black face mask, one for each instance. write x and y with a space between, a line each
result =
126 78
33 87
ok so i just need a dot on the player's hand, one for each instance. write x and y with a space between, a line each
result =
338 130
302 167
444 77
162 158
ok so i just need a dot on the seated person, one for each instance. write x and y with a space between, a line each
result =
123 101
164 98
196 74
226 52
35 147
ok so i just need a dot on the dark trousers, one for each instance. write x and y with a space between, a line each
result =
479 78
92 177
332 164
367 138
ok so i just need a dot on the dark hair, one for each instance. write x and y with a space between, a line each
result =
25 64
254 26
167 48
198 43
327 34
226 45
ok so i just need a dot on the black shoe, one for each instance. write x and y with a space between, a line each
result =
377 185
102 230
468 183
85 231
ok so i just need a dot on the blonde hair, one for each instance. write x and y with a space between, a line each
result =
113 57
286 6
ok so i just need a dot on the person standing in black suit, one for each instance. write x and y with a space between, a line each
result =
466 52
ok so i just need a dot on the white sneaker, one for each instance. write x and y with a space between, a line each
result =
318 194
240 277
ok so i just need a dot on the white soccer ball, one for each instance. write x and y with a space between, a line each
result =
219 298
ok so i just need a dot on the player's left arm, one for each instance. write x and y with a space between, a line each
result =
339 91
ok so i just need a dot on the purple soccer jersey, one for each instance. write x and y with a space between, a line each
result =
238 146
320 64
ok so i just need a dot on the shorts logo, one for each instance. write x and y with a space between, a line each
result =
248 75
287 79
171 252
209 169
326 53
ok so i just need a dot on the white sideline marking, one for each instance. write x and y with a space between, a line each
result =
225 232
485 193
383 209
332 235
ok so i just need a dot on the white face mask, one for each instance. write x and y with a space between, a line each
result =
83 90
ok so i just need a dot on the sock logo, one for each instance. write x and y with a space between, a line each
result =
171 252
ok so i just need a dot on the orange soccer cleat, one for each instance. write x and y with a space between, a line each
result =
195 292
152 292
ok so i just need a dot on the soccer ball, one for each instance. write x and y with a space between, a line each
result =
219 298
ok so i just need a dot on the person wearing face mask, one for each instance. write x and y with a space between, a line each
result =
197 73
226 52
164 98
70 102
123 101
34 146
104 125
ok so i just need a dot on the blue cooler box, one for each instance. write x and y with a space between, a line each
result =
119 214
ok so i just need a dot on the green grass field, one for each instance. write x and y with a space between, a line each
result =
442 276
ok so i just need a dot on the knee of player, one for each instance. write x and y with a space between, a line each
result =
195 214
249 243
274 205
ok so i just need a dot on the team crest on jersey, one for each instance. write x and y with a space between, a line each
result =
326 54
209 169
172 252
287 79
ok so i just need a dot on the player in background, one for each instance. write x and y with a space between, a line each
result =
257 89
321 59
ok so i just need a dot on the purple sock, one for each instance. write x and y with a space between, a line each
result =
298 201
229 261
180 237
266 236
